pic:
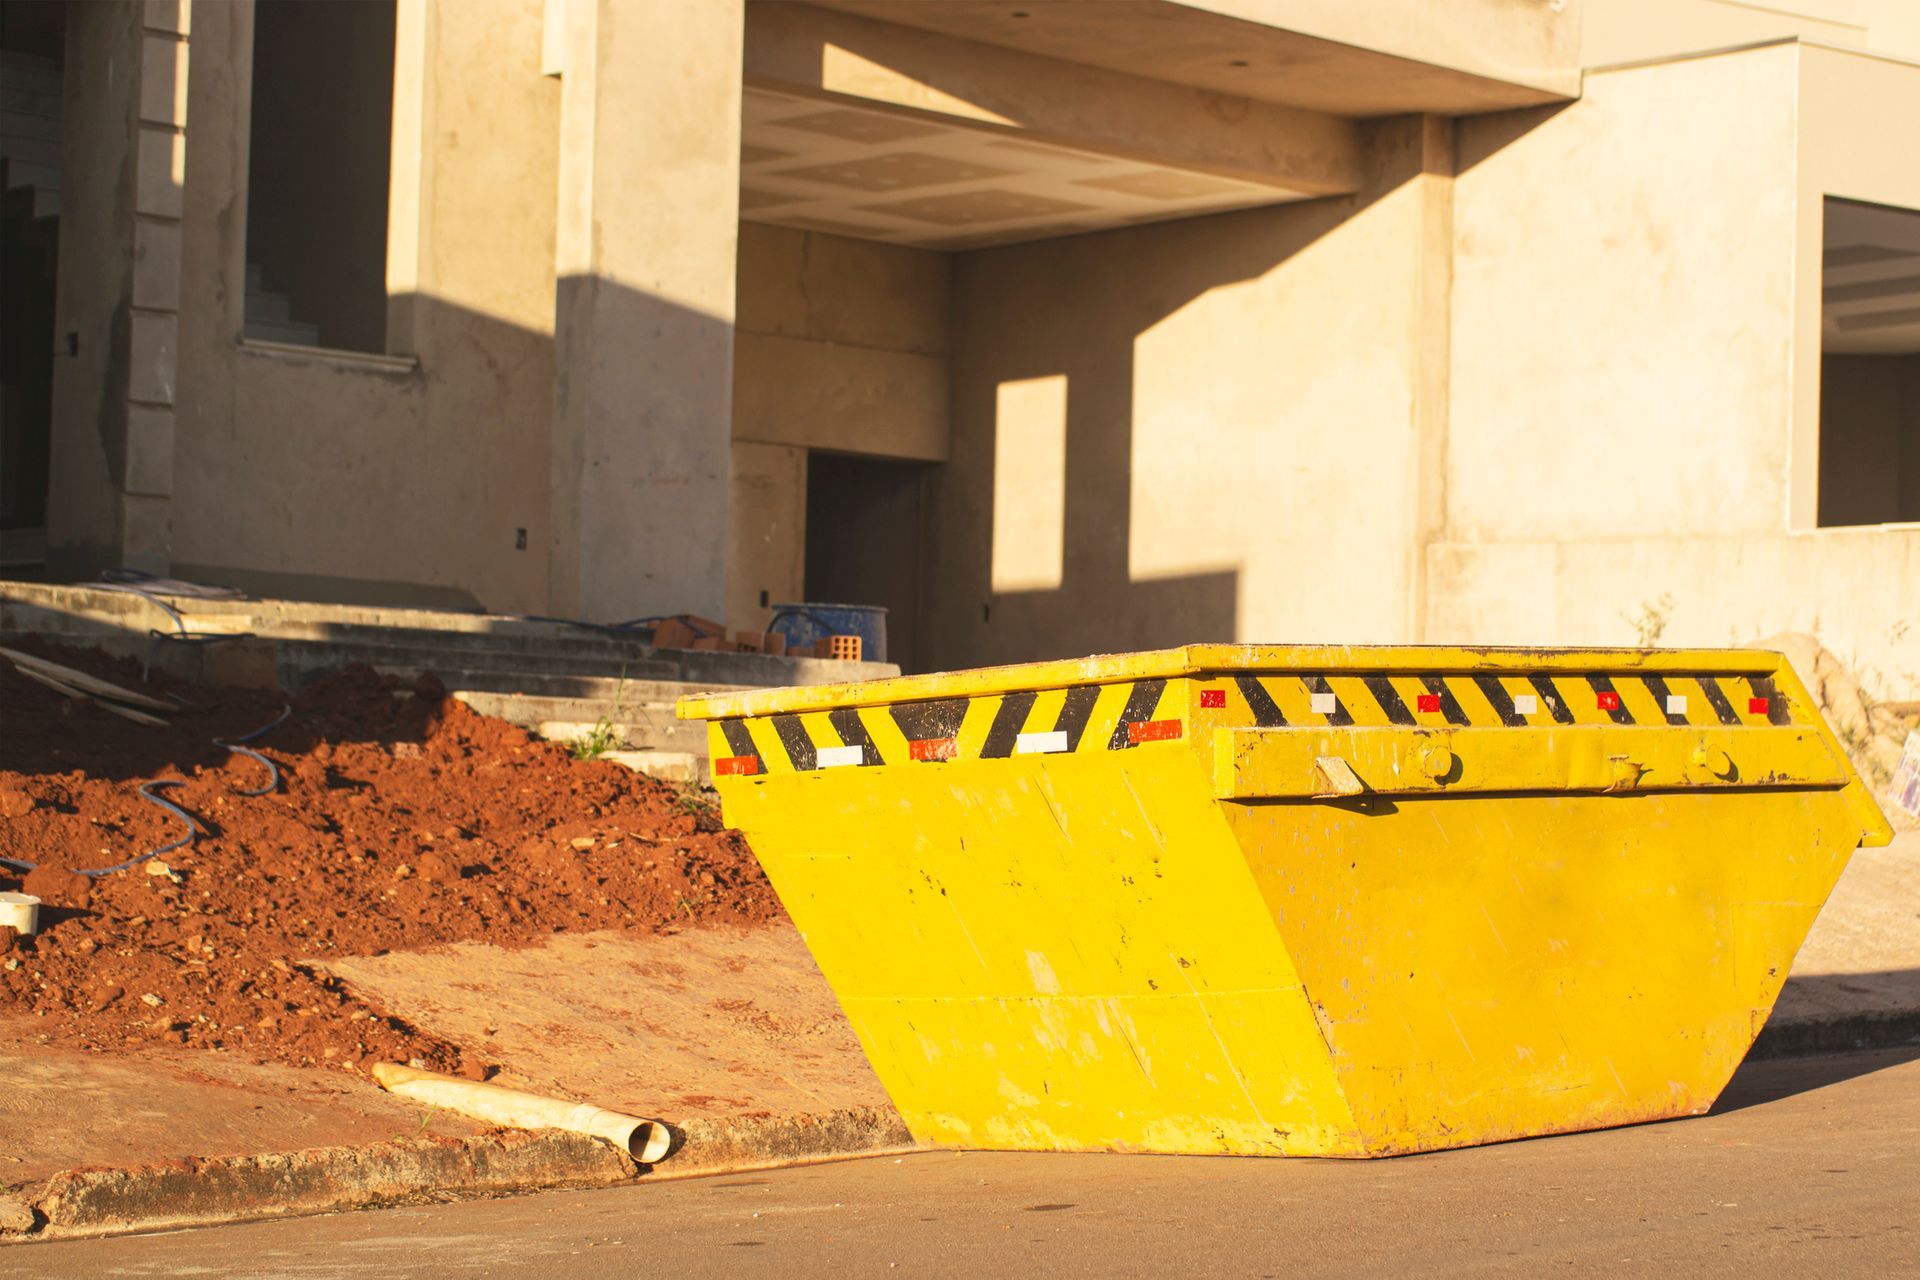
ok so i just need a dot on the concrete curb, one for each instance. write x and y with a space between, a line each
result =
207 1192
1842 1033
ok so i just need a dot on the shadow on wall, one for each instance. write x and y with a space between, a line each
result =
1042 483
369 481
1130 511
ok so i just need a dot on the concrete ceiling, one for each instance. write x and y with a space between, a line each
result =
1870 287
906 179
1186 44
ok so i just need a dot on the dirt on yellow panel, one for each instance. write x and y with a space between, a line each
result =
1299 901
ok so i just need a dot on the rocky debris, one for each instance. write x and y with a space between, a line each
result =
1872 731
475 832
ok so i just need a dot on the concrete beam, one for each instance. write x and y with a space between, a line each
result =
802 49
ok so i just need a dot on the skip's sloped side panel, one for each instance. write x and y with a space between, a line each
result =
1060 951
1492 967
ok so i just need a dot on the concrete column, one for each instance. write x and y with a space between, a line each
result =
646 246
123 175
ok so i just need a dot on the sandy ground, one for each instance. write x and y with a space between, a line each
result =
706 1022
62 1109
1864 951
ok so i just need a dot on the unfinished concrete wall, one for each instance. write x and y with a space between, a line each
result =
1635 371
1616 31
373 478
766 532
1222 419
842 344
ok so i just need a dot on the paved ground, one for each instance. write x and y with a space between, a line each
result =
1863 953
706 1023
1810 1167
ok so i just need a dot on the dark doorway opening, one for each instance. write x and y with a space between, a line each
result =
863 541
32 46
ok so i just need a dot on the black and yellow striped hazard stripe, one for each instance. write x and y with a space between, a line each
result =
1111 717
1081 718
1492 700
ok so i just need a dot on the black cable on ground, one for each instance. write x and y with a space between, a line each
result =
194 828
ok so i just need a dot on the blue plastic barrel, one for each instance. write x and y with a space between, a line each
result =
803 624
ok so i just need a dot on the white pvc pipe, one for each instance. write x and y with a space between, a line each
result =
22 911
645 1140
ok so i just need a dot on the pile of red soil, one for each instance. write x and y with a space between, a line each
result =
402 820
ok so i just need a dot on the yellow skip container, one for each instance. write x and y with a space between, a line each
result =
1299 900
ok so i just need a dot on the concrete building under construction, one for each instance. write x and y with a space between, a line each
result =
1054 326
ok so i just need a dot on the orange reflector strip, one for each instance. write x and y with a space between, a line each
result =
933 748
737 764
1152 730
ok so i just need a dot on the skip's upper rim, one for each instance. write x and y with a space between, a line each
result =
1206 659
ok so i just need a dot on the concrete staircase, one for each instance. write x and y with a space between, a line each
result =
269 316
556 678
30 131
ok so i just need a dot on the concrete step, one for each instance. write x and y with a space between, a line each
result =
22 122
293 641
272 307
29 147
645 725
31 92
660 732
24 173
291 332
594 689
682 767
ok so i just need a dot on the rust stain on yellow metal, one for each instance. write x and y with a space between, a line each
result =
1302 901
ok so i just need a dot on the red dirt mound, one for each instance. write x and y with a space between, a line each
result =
402 820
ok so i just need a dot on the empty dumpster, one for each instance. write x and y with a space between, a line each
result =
1299 901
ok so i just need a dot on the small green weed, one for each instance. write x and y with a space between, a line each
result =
605 734
421 1132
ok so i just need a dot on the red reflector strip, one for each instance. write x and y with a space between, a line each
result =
1429 702
1213 697
1757 706
737 764
933 748
1152 730
1609 701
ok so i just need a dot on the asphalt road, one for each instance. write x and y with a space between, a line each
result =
1807 1167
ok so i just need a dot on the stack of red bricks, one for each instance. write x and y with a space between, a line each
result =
689 631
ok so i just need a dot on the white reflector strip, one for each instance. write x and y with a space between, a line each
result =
1040 743
1676 704
1323 704
1526 704
835 757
